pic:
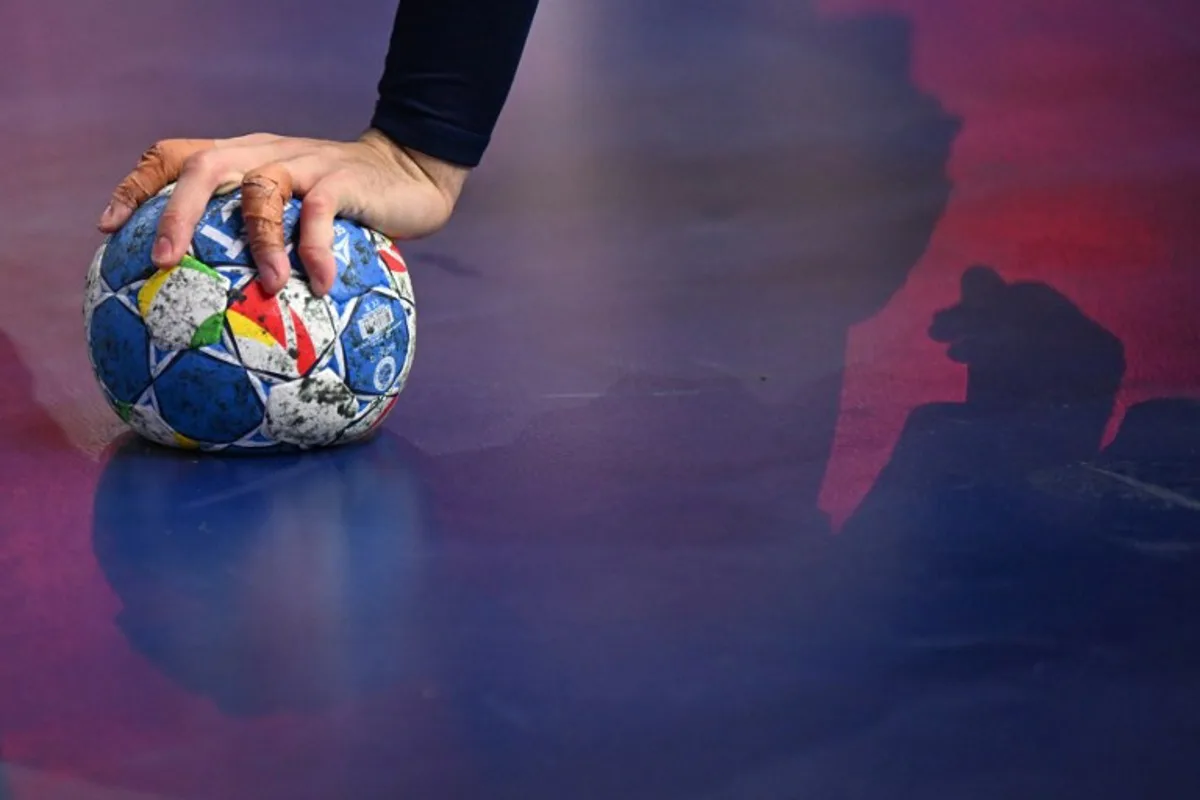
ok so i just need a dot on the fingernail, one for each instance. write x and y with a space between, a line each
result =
109 218
269 278
114 214
162 249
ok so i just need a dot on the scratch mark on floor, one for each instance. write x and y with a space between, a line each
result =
1162 493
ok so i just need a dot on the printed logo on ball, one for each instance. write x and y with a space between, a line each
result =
376 323
385 373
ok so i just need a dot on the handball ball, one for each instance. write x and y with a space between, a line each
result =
198 356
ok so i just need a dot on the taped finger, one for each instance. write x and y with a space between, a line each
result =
265 192
159 166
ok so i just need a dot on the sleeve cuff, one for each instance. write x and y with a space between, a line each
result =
426 134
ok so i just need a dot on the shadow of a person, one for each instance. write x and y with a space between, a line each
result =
1003 550
1042 379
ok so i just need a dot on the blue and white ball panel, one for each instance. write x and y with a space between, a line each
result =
359 266
207 400
116 334
375 343
220 237
224 350
238 277
95 290
370 409
146 420
127 255
402 285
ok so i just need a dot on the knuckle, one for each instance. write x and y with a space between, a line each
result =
125 193
173 219
266 251
264 182
158 152
258 224
330 151
256 183
264 232
258 137
314 251
155 151
202 163
320 205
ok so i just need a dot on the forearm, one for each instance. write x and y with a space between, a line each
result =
449 69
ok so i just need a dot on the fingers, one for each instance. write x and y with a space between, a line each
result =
981 285
270 170
982 294
163 164
262 208
204 174
970 328
265 192
321 205
158 166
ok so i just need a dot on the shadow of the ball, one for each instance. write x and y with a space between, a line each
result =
270 583
200 357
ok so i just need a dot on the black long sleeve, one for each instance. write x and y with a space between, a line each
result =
449 69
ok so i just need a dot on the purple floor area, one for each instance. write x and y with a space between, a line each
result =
807 405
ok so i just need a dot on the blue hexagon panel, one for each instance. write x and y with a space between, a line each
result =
120 348
375 343
207 400
127 257
220 234
359 266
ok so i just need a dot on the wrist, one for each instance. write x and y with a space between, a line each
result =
446 177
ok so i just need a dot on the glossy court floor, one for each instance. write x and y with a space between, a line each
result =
807 406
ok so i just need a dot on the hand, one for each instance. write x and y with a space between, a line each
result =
398 192
1025 345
